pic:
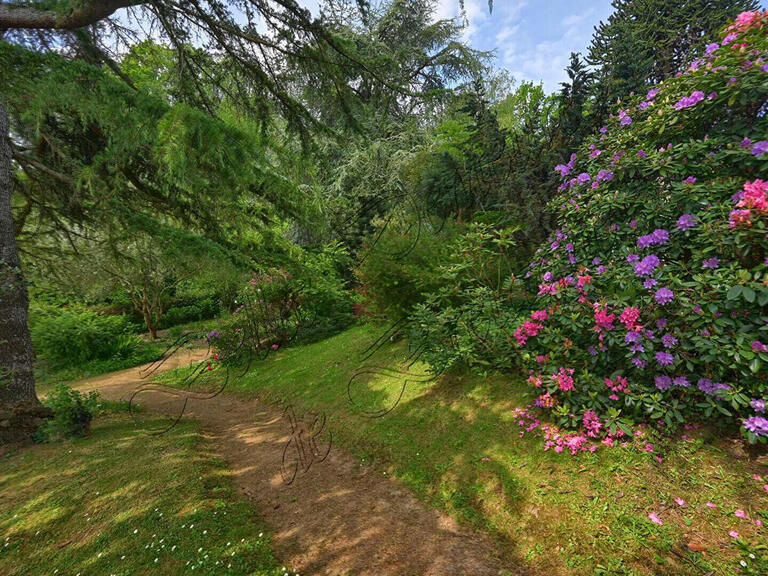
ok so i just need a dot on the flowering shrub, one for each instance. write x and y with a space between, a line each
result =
268 315
652 294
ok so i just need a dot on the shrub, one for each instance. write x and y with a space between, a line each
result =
469 319
269 314
71 337
72 414
201 309
652 295
399 265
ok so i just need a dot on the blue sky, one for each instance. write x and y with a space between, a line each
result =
532 38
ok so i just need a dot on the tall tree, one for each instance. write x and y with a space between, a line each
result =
20 410
256 40
646 41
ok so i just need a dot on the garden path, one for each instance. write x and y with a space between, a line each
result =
339 517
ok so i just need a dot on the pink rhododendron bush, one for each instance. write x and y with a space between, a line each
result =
652 301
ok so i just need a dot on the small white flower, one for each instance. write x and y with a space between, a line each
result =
136 531
205 532
261 534
199 550
156 559
743 563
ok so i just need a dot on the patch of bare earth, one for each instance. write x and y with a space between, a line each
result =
338 518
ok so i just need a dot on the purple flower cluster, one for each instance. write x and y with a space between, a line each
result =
668 340
759 148
708 387
664 359
647 265
664 296
688 101
658 236
624 118
686 222
757 425
711 263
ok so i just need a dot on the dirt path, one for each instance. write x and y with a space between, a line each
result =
338 518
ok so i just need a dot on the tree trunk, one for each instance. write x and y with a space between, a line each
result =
20 411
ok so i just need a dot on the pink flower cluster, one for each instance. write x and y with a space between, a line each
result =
629 318
752 197
530 328
603 320
564 379
620 384
747 20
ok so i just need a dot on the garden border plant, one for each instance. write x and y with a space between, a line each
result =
651 296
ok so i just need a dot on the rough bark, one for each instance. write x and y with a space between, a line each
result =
83 14
20 411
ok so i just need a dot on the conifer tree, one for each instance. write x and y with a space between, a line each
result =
645 41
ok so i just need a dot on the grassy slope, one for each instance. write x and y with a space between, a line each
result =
554 512
122 502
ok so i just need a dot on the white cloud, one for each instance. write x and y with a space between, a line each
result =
546 60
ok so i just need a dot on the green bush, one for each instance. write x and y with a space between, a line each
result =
468 319
72 414
400 264
201 309
74 337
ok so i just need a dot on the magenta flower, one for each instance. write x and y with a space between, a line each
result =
746 143
712 263
690 180
652 94
758 346
664 296
641 154
710 49
740 514
758 405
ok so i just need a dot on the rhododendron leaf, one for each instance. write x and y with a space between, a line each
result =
734 292
755 365
762 299
748 294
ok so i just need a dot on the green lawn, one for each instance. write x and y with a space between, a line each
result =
122 502
453 441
